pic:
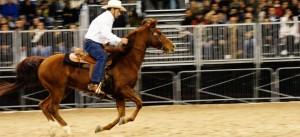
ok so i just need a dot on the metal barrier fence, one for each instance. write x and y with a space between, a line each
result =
198 86
153 87
280 39
195 45
227 42
287 82
15 46
241 85
6 49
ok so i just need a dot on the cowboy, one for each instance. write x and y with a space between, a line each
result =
98 34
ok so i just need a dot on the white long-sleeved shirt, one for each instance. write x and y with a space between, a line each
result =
289 28
100 30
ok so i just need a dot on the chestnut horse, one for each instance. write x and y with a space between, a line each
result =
55 75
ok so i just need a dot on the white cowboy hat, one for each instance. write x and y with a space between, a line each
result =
114 4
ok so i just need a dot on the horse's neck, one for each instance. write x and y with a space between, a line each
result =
137 52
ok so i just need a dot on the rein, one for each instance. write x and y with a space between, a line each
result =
140 50
152 30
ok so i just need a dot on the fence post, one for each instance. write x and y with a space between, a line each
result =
83 22
275 80
257 57
177 96
198 57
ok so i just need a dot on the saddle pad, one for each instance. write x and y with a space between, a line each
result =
73 60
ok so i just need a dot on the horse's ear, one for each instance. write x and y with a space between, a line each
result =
149 22
153 23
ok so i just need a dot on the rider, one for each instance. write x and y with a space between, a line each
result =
98 34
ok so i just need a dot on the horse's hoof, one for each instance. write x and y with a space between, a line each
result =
67 130
52 134
122 121
98 129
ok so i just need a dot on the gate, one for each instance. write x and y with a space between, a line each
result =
234 85
287 82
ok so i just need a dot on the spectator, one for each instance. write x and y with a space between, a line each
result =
235 4
28 9
43 12
55 8
233 41
196 7
3 20
294 7
278 10
188 18
268 44
10 9
288 33
250 9
121 21
272 16
222 17
20 25
35 22
133 19
248 45
206 6
65 40
215 47
5 45
70 14
25 21
248 18
39 40
271 31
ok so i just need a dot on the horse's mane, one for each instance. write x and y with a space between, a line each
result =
131 36
146 23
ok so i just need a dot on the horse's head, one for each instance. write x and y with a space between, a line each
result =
156 38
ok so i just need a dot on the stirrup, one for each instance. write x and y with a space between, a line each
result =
96 88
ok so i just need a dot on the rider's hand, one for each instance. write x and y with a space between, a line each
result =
124 41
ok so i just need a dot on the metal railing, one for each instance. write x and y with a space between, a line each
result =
196 86
195 45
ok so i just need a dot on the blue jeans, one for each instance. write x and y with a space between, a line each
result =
95 50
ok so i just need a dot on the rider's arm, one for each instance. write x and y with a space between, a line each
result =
112 38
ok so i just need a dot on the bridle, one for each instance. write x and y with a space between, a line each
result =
158 36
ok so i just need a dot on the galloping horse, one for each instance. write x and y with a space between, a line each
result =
55 75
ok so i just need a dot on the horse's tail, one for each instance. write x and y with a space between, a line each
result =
26 75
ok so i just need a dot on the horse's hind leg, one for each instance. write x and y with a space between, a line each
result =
58 94
129 93
121 113
44 105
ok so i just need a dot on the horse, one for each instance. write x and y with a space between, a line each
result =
55 75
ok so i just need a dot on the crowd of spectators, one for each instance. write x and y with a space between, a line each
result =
233 42
245 11
238 41
21 15
39 17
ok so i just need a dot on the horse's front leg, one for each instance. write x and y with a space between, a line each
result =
129 93
121 113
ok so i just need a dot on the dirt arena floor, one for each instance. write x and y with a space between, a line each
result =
222 120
